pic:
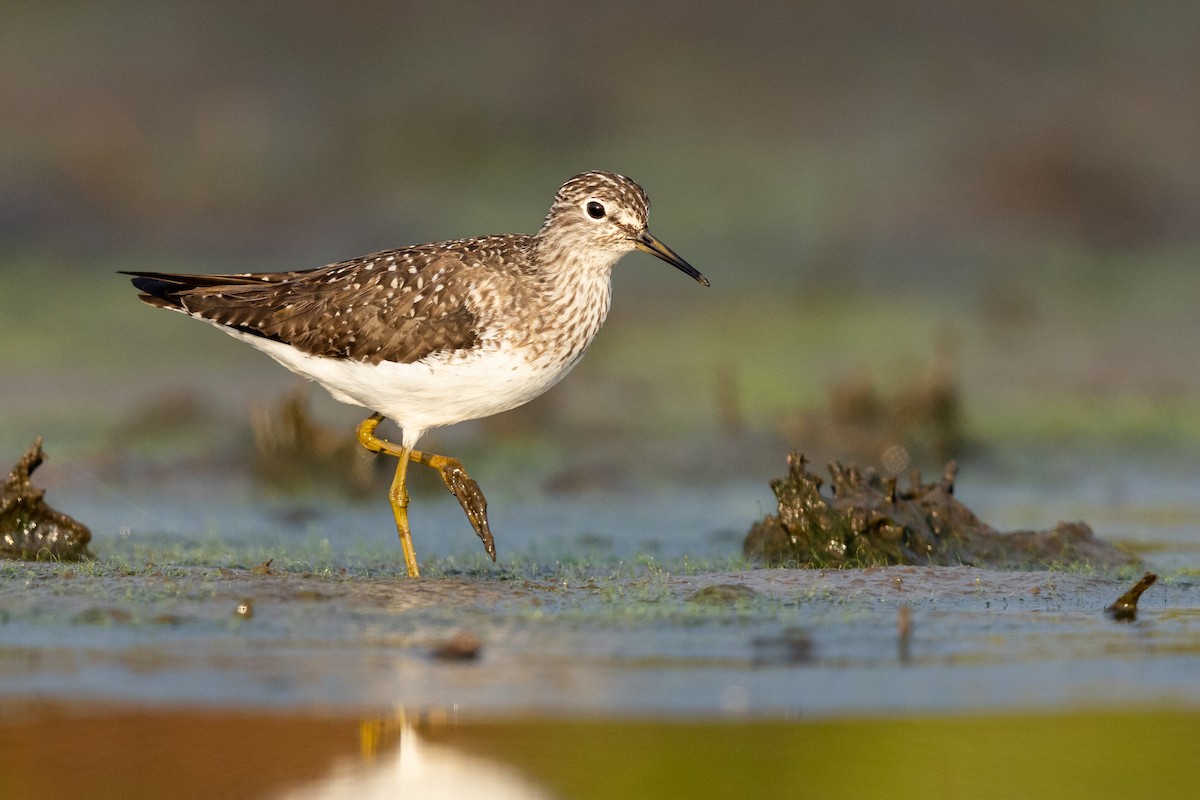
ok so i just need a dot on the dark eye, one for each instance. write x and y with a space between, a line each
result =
595 210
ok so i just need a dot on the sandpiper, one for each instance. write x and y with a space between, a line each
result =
435 334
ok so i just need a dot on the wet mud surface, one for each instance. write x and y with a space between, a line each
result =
866 519
623 639
208 592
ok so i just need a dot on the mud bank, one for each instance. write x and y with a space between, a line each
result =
867 520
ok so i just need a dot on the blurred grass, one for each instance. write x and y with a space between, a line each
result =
84 358
871 186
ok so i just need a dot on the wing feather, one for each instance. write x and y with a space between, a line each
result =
399 305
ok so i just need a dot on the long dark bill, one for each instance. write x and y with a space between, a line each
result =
648 244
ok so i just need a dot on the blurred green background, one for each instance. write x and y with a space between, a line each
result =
1006 191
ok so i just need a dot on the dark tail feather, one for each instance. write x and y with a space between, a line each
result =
158 287
162 289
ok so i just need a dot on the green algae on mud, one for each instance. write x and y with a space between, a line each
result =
868 520
641 637
29 528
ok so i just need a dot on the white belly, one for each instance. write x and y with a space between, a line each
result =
426 394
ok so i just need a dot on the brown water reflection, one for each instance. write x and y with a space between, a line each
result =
181 752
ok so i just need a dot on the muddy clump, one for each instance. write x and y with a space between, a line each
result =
296 454
30 530
920 422
867 520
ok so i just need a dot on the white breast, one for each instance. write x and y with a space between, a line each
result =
426 394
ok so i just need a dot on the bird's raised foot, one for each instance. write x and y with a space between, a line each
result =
471 498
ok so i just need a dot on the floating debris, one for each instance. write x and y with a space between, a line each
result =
30 530
103 615
459 647
245 609
1125 608
793 646
868 521
904 629
295 453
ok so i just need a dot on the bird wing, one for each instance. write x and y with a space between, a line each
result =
398 305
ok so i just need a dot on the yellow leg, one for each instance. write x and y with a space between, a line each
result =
398 495
460 484
368 439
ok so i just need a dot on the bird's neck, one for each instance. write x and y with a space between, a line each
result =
576 285
561 258
585 283
574 274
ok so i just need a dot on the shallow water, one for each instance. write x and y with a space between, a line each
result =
592 607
